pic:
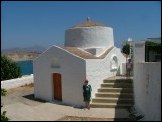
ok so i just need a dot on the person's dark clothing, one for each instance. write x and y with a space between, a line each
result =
87 92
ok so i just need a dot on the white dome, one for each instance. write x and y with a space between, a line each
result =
89 35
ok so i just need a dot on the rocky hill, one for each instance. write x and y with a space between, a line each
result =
37 49
20 54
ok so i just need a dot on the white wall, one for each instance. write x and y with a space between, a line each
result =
14 83
95 51
89 37
139 51
124 68
99 69
72 70
147 89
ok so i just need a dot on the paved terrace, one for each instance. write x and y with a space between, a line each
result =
21 105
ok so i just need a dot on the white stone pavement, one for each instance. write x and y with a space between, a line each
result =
51 112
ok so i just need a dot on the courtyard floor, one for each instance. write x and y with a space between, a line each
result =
21 106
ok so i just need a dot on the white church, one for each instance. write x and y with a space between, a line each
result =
88 53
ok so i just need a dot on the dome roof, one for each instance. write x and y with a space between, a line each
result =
89 35
88 23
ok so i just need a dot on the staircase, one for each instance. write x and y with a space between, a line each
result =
114 93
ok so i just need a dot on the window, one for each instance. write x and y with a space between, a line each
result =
55 63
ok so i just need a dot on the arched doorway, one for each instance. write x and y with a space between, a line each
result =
114 62
57 86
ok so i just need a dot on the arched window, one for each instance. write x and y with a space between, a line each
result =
114 63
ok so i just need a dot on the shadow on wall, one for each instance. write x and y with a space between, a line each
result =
125 102
118 73
125 99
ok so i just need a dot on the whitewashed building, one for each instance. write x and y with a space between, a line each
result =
147 83
88 53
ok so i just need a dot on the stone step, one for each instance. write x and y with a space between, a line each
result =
114 95
121 90
117 85
118 81
110 105
112 100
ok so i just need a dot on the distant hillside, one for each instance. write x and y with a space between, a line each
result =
37 49
19 54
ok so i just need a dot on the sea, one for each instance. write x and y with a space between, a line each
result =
26 67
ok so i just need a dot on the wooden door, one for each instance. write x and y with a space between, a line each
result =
57 86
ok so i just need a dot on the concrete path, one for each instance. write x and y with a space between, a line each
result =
50 112
21 105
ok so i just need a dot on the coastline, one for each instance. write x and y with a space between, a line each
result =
23 60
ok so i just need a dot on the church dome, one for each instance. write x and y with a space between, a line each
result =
88 23
89 35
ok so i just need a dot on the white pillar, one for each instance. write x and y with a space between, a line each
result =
130 47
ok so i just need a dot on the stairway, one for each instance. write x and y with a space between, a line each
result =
114 93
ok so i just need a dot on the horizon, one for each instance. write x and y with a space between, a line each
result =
26 24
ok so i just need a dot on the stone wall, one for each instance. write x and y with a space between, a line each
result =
147 89
13 83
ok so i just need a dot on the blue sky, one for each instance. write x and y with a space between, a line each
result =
25 24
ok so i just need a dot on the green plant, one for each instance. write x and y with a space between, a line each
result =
152 49
3 92
3 114
155 47
125 49
9 69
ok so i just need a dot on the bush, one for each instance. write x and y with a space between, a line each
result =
3 114
3 92
125 49
9 69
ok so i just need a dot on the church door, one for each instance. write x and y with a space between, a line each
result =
57 86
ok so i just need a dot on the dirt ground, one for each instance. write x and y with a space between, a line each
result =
23 94
72 118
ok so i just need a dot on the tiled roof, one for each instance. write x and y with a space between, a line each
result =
84 54
88 24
